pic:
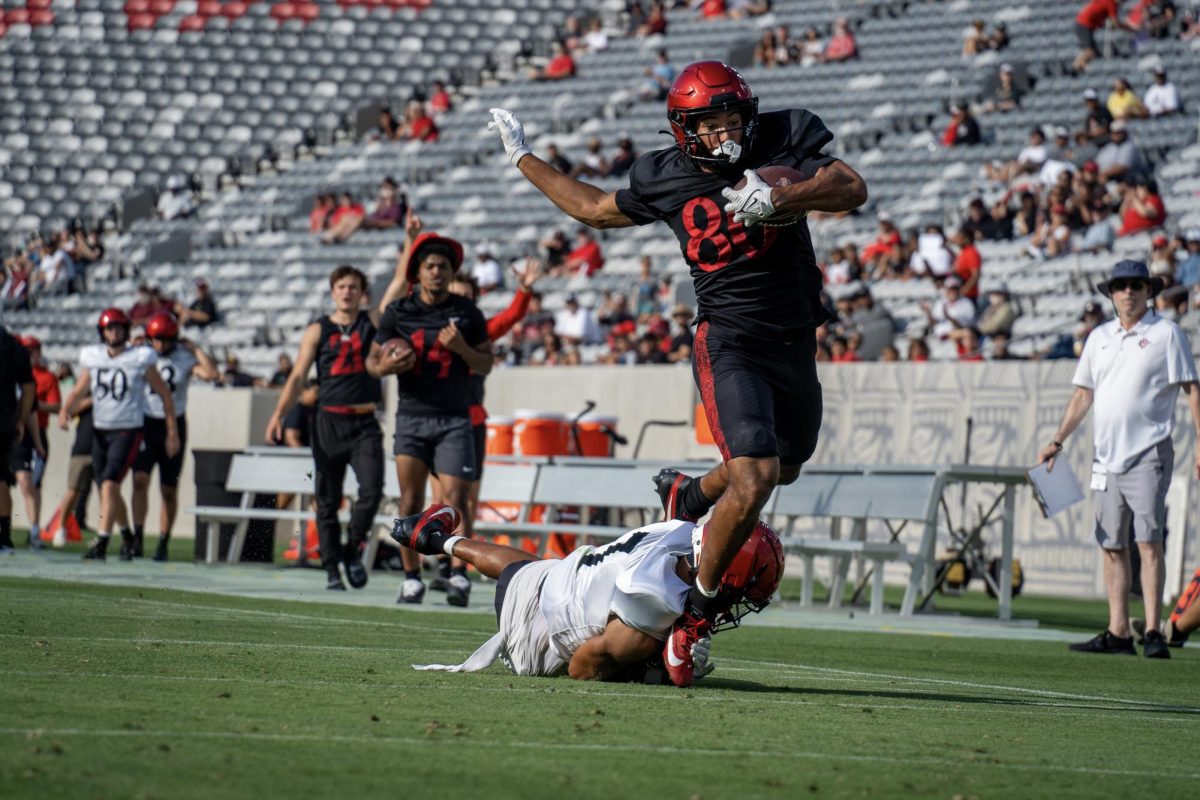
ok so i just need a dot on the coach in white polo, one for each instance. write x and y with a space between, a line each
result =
1131 370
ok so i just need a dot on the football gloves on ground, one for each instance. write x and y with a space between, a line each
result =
512 134
751 205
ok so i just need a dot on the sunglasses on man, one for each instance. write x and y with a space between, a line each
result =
1120 286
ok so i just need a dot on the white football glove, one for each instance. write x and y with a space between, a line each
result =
751 204
511 133
701 651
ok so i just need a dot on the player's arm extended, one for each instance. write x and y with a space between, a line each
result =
309 343
834 188
605 653
589 204
83 385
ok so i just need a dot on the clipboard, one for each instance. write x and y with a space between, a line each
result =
1055 490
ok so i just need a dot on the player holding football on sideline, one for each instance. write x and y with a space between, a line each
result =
444 340
601 613
757 286
178 360
117 376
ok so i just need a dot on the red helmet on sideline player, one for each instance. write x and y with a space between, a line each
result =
710 87
31 343
162 326
110 317
752 577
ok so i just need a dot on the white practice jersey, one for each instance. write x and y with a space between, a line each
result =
632 578
118 385
176 371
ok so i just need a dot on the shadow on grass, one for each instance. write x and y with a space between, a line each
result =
945 697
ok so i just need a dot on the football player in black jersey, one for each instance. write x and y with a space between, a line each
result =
345 431
447 339
757 286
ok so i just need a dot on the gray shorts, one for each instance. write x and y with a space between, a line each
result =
445 444
1137 499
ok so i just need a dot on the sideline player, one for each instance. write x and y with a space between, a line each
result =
601 612
757 286
17 397
178 360
117 375
448 338
28 460
79 475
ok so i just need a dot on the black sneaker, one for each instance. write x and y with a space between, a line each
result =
139 544
335 583
669 484
441 581
1105 642
458 591
427 532
160 552
356 573
1174 637
35 542
1156 646
98 550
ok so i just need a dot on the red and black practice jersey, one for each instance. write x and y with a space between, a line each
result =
761 281
341 363
437 384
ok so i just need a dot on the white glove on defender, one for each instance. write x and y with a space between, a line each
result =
701 651
751 204
511 133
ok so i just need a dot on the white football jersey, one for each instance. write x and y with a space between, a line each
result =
118 385
176 371
632 577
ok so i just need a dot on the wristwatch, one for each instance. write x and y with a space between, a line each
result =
1057 444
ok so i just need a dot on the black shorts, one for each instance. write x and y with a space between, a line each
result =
7 437
113 453
506 576
762 398
23 456
153 451
1086 38
445 444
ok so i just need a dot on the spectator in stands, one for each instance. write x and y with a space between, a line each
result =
440 101
323 207
345 219
932 257
418 126
282 371
1100 233
623 159
743 9
1025 220
560 67
963 128
842 45
235 377
1029 161
554 252
1187 271
1162 259
840 351
1124 103
658 78
56 269
387 128
837 268
680 350
148 304
969 344
1121 159
391 206
656 21
918 351
649 350
877 257
1000 351
176 202
978 224
968 264
1162 98
1153 18
710 9
1000 313
18 276
1190 25
975 39
1142 208
587 255
203 310
635 15
575 324
1002 219
1091 18
889 354
871 325
999 38
1007 95
764 50
486 270
556 159
550 352
786 48
596 39
1053 235
614 310
812 48
1097 121
952 311
594 164
646 290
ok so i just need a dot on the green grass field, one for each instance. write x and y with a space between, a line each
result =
126 692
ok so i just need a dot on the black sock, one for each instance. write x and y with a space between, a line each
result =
6 531
139 531
693 501
459 571
126 535
412 574
443 567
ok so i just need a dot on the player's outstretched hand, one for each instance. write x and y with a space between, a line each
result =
751 204
512 134
412 224
531 273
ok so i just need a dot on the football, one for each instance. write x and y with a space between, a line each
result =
398 345
777 175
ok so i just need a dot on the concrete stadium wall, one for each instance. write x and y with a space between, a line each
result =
877 413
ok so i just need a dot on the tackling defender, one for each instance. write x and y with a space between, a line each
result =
757 286
178 360
601 613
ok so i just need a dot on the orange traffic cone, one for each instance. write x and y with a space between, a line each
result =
312 544
51 532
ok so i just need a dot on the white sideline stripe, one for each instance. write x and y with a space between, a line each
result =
1148 704
455 685
196 642
463 743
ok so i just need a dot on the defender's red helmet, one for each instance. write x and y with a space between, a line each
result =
162 326
31 343
710 87
109 317
751 579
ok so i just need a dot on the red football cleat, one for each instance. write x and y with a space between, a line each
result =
677 653
427 533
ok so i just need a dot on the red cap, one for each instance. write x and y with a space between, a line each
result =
1160 241
31 342
1091 166
410 269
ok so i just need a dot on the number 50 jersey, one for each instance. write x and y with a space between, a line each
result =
118 385
632 578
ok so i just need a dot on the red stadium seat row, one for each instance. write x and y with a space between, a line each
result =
142 14
31 15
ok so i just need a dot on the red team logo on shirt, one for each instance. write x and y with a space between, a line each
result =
436 356
349 358
723 247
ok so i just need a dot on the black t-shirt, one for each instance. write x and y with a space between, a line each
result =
761 281
437 385
206 305
300 418
15 369
82 446
342 363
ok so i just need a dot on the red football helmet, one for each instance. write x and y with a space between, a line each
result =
162 326
751 579
110 317
31 343
710 87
